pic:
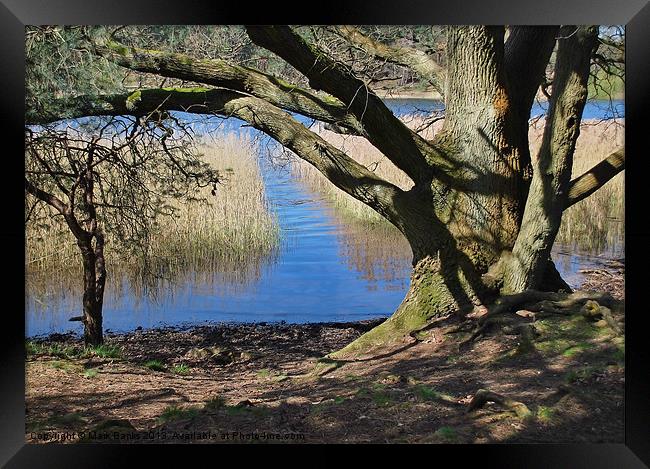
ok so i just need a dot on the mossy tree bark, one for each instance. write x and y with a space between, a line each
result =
473 213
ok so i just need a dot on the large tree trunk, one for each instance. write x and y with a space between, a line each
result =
549 189
467 222
441 284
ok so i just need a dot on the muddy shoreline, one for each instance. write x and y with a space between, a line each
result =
224 343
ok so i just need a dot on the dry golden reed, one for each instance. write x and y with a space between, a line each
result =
230 228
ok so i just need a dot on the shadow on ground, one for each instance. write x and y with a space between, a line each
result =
244 383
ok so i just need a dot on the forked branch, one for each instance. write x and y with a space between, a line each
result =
385 131
216 72
339 168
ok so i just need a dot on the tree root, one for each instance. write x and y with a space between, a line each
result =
483 396
328 363
592 310
548 302
592 305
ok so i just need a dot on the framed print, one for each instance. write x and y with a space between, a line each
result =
403 223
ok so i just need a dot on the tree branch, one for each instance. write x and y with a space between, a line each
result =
418 61
589 182
216 72
549 186
139 104
46 197
326 108
340 169
385 131
526 54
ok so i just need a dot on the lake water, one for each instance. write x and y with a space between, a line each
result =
603 109
326 270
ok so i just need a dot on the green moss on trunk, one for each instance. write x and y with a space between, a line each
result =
434 293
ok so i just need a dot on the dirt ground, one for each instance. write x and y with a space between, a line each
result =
247 383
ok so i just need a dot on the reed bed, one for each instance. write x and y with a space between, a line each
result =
226 235
234 226
595 224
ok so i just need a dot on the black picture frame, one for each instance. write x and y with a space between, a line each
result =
635 14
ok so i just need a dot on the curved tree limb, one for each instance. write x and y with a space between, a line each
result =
63 208
46 197
348 175
385 131
589 182
216 72
417 60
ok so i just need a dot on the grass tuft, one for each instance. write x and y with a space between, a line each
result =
180 369
545 414
426 393
263 373
155 365
216 402
174 412
52 350
102 351
70 351
447 433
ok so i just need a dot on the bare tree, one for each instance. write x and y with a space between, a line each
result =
114 175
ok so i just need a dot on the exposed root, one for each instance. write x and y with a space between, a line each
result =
324 366
400 333
328 364
483 396
547 302
592 305
334 361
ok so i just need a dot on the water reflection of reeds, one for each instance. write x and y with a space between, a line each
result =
377 250
46 293
368 243
363 152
